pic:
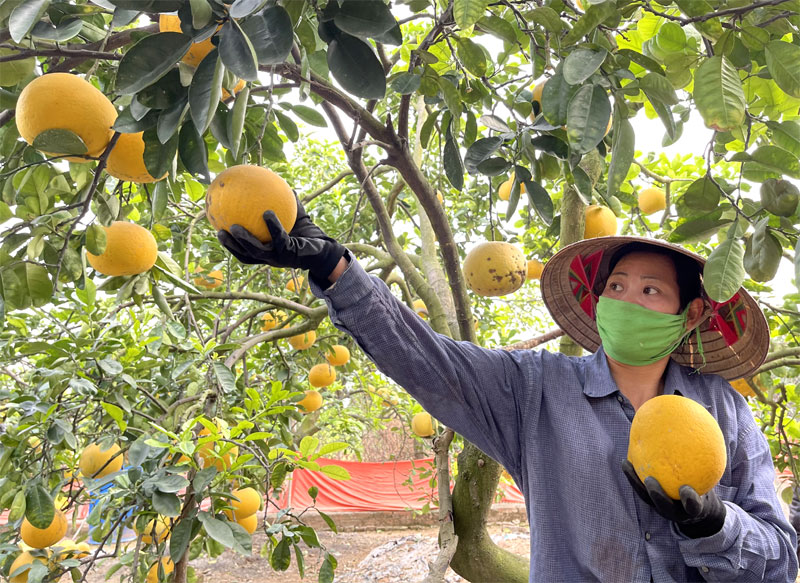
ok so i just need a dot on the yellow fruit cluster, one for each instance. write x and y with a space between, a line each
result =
66 102
244 506
323 375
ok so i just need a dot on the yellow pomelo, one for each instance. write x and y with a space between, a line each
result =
24 558
270 320
238 87
241 194
66 102
338 355
248 502
311 402
70 548
130 249
537 92
495 268
422 424
677 441
93 460
249 523
290 285
126 160
156 530
197 52
39 538
652 200
504 191
421 309
743 388
535 268
206 453
600 222
303 341
321 375
211 280
166 565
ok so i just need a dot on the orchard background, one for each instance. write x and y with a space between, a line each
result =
399 127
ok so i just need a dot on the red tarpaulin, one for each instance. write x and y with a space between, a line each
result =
372 487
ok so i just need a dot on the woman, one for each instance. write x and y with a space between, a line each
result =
560 424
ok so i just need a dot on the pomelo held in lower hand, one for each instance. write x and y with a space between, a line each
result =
678 442
241 194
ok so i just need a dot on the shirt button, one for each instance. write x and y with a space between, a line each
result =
647 536
704 569
619 398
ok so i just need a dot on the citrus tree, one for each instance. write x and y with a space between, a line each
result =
148 373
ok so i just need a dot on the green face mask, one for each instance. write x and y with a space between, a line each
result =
635 335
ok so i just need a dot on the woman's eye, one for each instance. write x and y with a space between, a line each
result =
614 286
650 290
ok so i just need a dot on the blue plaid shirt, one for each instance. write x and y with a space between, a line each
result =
560 427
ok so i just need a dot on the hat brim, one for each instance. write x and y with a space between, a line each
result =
730 358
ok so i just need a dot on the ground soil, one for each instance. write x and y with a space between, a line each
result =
365 556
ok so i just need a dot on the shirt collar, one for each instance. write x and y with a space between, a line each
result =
600 383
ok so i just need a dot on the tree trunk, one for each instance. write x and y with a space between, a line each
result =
478 559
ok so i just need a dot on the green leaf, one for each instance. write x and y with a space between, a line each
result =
364 18
622 151
451 158
203 478
724 271
587 118
468 12
594 15
270 31
205 91
202 13
406 83
702 195
699 228
327 569
158 157
786 135
95 239
193 152
242 8
281 556
217 529
39 509
169 119
797 264
116 413
471 56
24 16
147 5
236 121
762 253
335 472
355 66
778 159
179 538
287 125
479 151
309 115
66 30
551 145
237 52
60 142
225 377
642 60
149 60
499 28
308 445
783 63
779 197
540 201
556 96
718 94
658 88
581 64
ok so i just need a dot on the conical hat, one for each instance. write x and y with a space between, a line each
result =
734 334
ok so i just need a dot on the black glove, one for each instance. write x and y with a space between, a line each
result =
305 247
696 516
